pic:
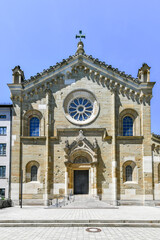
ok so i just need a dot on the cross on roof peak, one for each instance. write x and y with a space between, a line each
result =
80 35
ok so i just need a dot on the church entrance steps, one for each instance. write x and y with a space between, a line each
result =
88 202
80 223
85 197
84 201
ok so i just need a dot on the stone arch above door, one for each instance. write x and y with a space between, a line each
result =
81 159
81 148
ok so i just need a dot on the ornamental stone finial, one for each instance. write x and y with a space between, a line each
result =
80 49
18 75
80 136
80 45
144 73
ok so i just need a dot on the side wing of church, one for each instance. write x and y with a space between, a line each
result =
83 127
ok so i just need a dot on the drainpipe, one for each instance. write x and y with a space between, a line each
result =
153 185
10 155
21 166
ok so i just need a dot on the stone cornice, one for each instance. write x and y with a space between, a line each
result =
95 61
15 87
101 131
130 138
33 137
104 74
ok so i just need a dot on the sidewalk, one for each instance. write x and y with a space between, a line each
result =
41 213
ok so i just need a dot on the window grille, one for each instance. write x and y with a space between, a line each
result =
2 171
2 116
128 173
80 109
2 149
2 192
34 126
127 126
3 130
33 173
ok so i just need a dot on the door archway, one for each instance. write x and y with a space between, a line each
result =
81 166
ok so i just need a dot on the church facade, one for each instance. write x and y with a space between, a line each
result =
83 127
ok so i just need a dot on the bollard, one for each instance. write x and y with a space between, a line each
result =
57 202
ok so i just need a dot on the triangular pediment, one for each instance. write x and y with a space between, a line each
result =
78 66
79 62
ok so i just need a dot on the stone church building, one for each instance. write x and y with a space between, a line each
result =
84 127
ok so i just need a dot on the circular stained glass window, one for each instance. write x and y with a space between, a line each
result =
80 109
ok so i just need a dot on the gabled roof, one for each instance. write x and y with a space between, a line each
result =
105 74
68 60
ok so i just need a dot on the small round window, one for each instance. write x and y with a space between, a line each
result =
80 107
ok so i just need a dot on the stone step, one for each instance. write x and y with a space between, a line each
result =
88 202
80 223
88 206
84 197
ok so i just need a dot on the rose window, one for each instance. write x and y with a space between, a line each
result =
80 109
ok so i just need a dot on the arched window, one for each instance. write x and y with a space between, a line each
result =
127 126
128 173
34 173
34 126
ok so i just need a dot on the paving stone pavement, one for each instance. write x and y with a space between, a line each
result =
122 213
49 233
77 233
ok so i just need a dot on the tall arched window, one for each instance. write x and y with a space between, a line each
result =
34 126
34 173
128 173
127 126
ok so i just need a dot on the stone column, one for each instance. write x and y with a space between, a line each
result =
95 180
114 161
47 189
91 184
66 182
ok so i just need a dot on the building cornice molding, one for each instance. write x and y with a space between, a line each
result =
130 138
94 69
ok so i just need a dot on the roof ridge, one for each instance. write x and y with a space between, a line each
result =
90 57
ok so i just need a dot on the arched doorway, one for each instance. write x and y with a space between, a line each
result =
81 166
81 177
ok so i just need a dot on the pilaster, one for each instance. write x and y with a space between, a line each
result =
16 164
47 160
114 161
147 152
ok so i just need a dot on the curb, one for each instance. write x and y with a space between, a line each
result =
81 223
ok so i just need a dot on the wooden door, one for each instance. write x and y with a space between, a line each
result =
81 181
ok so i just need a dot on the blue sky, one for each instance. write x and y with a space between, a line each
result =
36 34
